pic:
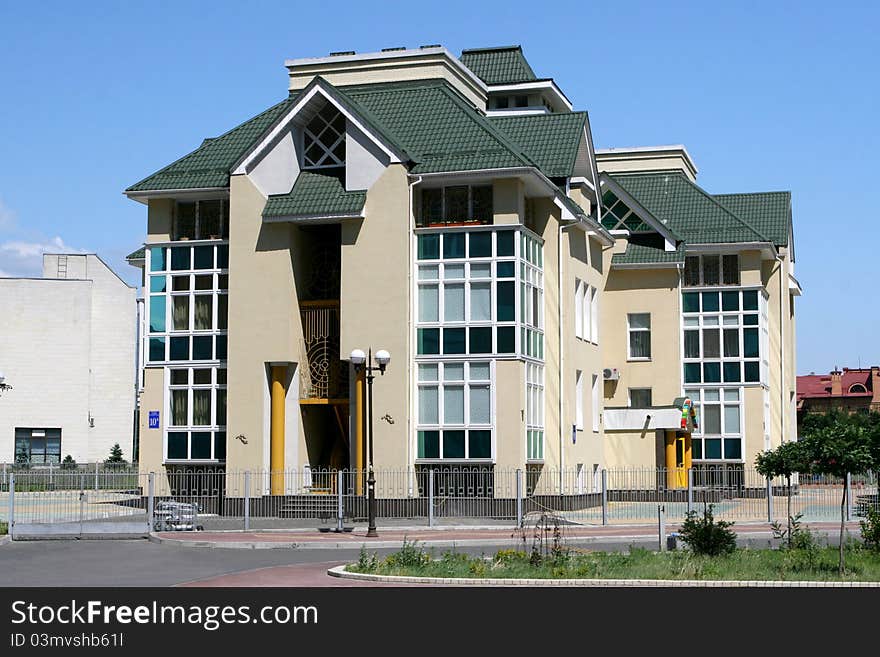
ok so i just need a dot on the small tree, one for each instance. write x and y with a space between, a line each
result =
68 463
115 455
841 445
783 461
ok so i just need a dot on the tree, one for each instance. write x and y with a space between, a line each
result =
783 461
115 455
68 463
837 445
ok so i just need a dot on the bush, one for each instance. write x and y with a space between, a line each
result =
68 463
706 535
871 529
410 555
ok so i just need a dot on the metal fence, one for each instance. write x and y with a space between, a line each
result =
121 500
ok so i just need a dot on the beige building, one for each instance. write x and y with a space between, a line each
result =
450 211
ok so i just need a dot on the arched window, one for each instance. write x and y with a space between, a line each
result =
857 387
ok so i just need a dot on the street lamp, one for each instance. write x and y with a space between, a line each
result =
364 362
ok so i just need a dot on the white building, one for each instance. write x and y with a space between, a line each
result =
67 348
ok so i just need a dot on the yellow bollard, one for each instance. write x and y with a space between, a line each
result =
276 436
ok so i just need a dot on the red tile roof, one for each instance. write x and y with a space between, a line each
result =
819 385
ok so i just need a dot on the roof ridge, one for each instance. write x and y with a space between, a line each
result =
549 115
787 192
492 49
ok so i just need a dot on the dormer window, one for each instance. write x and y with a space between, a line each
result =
324 140
201 220
456 205
857 388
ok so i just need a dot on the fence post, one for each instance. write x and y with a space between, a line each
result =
604 496
96 475
519 498
82 497
11 525
769 500
247 500
690 490
849 501
151 500
431 497
50 476
339 524
661 526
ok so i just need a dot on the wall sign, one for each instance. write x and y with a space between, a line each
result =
154 419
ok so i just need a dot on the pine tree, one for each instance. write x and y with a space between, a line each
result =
115 455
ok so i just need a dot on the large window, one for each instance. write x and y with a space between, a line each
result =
638 326
201 220
534 411
723 335
708 270
324 140
579 400
37 446
455 410
595 399
458 204
188 307
719 415
196 414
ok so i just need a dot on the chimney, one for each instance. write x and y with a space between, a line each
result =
875 384
836 384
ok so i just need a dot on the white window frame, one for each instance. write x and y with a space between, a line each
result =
630 330
596 412
534 379
578 308
701 268
594 315
217 384
579 400
630 397
698 397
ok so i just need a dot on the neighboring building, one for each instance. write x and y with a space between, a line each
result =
848 389
67 348
448 210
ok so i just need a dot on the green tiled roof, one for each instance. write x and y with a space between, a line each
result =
436 126
140 254
503 65
209 164
639 254
687 209
767 212
315 195
551 140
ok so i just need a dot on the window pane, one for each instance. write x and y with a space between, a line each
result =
752 372
453 303
750 343
453 341
711 394
223 256
711 419
453 245
710 270
712 448
201 445
429 303
220 445
157 348
157 314
640 397
201 376
481 340
691 344
453 404
750 320
710 301
732 448
732 373
428 400
731 395
204 255
185 220
221 407
479 444
428 372
432 205
506 269
692 270
731 419
730 264
204 282
180 312
479 372
177 444
157 258
690 302
712 372
480 405
731 343
221 342
180 283
481 270
481 302
180 258
201 407
507 340
506 301
730 301
456 205
179 400
202 347
429 247
750 300
480 244
453 371
640 321
179 349
222 312
429 444
711 343
429 272
697 447
204 312
157 283
692 373
179 377
429 341
453 444
640 344
505 243
221 375
453 271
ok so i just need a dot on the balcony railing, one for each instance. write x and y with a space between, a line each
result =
325 376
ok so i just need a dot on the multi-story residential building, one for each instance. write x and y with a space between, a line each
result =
67 349
448 210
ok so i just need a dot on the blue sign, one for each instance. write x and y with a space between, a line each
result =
154 419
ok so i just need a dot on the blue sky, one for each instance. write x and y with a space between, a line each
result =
766 96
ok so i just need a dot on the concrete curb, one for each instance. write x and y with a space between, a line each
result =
339 571
5 539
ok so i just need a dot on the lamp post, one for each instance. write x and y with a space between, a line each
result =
365 363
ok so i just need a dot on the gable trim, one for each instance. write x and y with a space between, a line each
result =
637 207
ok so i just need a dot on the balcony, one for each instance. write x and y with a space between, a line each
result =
324 379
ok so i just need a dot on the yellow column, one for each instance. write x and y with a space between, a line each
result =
670 459
688 453
359 432
276 436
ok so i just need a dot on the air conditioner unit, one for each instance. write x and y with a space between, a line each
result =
611 374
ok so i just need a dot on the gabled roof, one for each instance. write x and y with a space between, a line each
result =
551 140
140 254
209 164
315 196
500 65
767 212
687 209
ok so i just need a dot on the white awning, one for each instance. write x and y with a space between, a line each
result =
638 419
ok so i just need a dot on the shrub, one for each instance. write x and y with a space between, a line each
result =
115 455
68 463
706 535
367 563
410 555
870 527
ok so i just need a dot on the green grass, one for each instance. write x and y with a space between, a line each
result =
818 564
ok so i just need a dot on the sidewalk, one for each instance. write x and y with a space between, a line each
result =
393 537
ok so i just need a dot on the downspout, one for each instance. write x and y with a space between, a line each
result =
410 461
561 346
783 406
